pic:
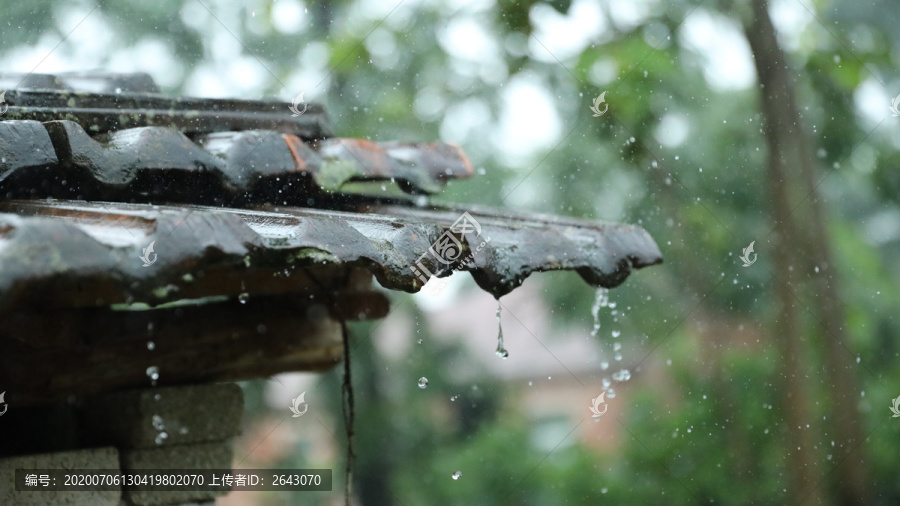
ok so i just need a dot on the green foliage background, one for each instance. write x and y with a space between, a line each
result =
714 437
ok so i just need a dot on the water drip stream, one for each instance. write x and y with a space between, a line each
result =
501 349
618 376
601 300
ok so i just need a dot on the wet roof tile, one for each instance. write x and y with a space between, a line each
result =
249 190
228 168
96 248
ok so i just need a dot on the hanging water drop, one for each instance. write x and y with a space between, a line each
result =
501 350
617 346
600 300
162 436
158 422
610 394
616 333
456 475
244 297
423 382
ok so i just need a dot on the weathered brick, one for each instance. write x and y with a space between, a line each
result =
182 457
185 414
97 458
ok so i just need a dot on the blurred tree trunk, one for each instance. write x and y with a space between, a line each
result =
801 243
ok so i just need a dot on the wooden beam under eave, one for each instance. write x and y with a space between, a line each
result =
225 341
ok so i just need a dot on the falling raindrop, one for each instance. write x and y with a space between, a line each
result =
419 341
423 382
162 436
456 475
606 383
502 352
158 422
244 297
153 373
618 357
610 393
600 300
622 375
617 346
151 345
616 333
